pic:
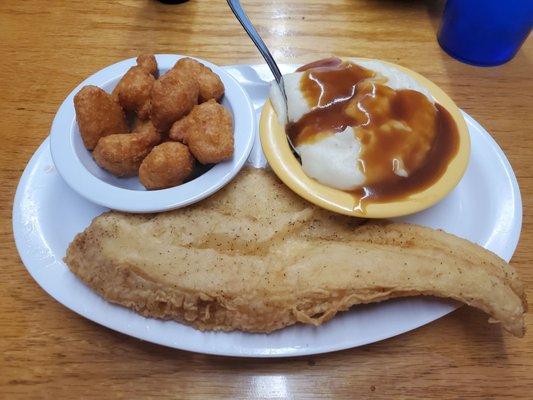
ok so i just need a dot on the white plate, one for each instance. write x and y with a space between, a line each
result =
485 208
79 170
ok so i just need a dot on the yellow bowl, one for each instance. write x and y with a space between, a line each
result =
287 167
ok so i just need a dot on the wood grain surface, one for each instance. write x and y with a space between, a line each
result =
47 351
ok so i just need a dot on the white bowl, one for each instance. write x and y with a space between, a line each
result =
78 168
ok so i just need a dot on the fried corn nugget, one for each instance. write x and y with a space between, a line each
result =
208 131
98 115
178 130
137 124
140 125
122 154
134 91
167 165
148 63
211 86
172 97
147 128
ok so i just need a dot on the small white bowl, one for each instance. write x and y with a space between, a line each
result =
78 168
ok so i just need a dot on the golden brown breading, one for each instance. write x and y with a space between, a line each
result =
98 115
134 90
138 123
167 165
144 126
148 63
173 96
208 131
178 130
122 154
256 257
211 86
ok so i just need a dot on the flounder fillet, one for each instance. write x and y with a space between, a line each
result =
256 257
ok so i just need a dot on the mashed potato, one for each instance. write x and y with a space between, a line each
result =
333 159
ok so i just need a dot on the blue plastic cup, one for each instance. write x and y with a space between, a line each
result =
485 32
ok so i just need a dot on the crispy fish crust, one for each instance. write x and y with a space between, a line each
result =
255 257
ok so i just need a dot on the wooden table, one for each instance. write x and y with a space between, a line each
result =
47 351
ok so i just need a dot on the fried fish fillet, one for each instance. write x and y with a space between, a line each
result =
255 257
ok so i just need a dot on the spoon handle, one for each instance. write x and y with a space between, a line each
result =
236 7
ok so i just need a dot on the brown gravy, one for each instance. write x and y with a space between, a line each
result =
400 131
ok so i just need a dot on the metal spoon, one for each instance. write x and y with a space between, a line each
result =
237 9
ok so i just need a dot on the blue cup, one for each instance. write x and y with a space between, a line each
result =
485 32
